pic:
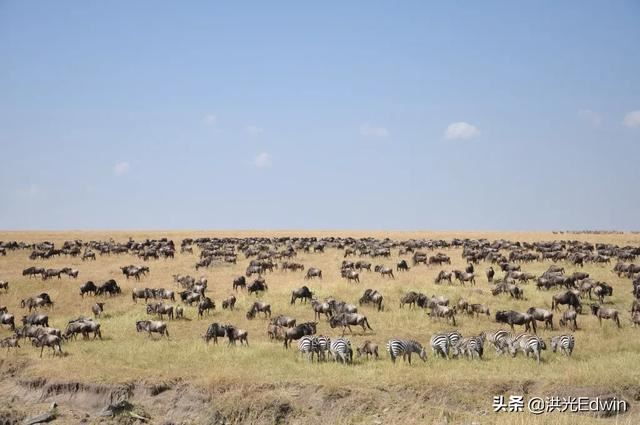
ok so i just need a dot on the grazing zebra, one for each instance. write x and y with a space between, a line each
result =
305 346
527 344
472 347
498 338
440 345
321 345
564 342
341 350
454 337
395 347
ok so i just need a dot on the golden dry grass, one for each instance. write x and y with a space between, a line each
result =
604 358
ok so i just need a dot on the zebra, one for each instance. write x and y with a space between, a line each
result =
564 342
321 345
472 347
440 345
306 346
498 338
395 347
454 337
341 350
527 344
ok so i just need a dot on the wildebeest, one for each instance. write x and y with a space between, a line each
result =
350 275
601 290
83 326
189 297
569 317
443 275
214 331
303 293
605 313
384 271
313 272
463 277
515 318
239 282
36 319
206 304
259 306
109 287
478 309
402 266
258 285
441 311
4 285
410 298
152 326
566 298
88 287
297 332
46 340
371 296
7 319
10 342
145 293
97 309
235 334
542 315
160 309
346 320
286 321
229 302
368 348
41 300
490 274
164 294
321 308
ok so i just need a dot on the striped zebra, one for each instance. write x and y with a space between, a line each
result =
395 347
454 337
307 345
564 342
321 346
440 345
472 347
498 338
527 344
341 351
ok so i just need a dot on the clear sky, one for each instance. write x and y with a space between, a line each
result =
447 115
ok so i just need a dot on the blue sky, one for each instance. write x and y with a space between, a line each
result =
332 115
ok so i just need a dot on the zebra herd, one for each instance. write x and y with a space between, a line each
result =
319 346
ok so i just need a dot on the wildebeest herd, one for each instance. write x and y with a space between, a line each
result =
493 267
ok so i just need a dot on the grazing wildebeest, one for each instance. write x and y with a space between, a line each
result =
82 326
109 287
36 319
4 285
566 298
206 304
303 293
601 290
368 348
469 269
515 318
46 340
189 297
41 300
478 309
7 319
33 271
97 309
443 275
285 321
88 287
490 274
229 302
258 285
542 315
313 272
259 306
441 311
384 271
350 275
251 270
363 265
10 342
321 308
164 294
239 282
569 317
410 298
402 266
235 334
463 277
214 331
371 296
346 320
160 309
152 326
605 313
297 332
49 273
145 293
